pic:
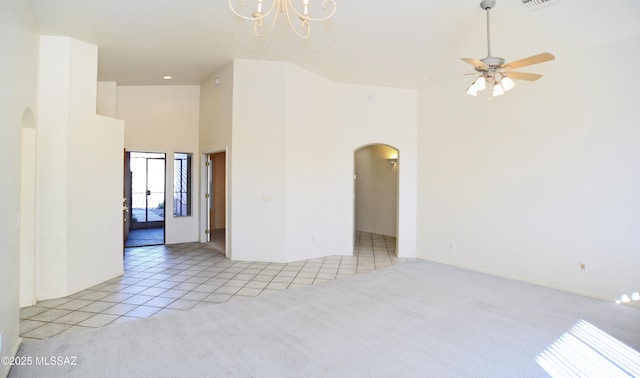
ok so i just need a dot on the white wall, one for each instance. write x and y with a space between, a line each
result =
51 192
107 98
371 115
28 214
79 174
534 183
294 137
95 208
19 41
258 161
216 95
165 119
310 164
376 190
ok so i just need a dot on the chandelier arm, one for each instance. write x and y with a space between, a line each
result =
326 6
252 17
332 5
306 28
258 24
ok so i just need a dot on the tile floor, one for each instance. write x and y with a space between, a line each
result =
144 237
171 278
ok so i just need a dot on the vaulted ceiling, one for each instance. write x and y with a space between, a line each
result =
380 42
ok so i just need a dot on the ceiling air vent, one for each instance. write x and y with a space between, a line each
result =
537 4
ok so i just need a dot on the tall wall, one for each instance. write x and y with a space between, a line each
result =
79 174
216 95
258 160
165 119
293 145
309 164
107 98
28 185
534 183
371 115
19 41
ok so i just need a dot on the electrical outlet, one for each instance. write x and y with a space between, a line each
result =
583 267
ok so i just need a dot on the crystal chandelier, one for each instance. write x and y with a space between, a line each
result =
265 16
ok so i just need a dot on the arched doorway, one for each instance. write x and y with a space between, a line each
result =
376 168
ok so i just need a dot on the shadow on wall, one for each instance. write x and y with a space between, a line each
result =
376 189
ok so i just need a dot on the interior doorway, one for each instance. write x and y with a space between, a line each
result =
376 169
216 200
145 194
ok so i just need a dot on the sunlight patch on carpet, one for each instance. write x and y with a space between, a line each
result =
587 351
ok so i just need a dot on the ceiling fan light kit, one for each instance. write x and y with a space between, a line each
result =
494 72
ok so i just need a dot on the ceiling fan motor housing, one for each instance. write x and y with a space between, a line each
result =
493 62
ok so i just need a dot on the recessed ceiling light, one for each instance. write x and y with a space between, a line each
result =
167 77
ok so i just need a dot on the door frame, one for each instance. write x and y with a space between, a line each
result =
129 190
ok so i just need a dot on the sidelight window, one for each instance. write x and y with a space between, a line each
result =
182 185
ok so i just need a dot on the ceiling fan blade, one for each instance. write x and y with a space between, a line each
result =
475 62
540 58
523 75
452 76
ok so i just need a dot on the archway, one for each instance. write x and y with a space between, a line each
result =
376 194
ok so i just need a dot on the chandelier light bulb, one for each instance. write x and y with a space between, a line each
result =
625 299
635 296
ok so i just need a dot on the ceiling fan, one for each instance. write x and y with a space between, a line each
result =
495 72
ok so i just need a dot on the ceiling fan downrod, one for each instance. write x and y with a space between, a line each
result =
487 5
492 62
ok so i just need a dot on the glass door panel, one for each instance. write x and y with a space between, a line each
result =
155 190
147 189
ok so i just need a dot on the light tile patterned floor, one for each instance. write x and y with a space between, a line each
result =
172 278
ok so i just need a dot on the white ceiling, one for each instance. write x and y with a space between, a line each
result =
380 42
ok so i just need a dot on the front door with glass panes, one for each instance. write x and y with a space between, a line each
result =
147 190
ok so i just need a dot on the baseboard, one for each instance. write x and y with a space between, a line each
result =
14 352
32 302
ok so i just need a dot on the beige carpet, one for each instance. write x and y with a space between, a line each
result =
412 320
